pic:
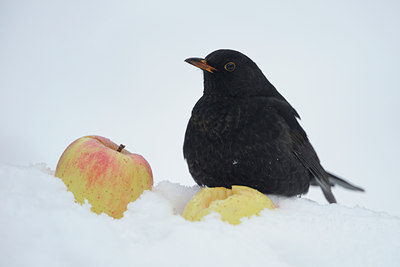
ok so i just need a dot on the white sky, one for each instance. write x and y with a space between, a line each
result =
115 68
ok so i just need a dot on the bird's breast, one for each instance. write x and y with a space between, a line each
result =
219 118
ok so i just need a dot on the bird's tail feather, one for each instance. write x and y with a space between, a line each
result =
334 180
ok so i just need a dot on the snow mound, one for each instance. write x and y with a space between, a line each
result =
41 225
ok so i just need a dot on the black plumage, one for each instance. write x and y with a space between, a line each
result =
243 132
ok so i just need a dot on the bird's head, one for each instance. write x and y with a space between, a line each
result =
231 73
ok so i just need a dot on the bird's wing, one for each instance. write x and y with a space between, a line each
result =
302 148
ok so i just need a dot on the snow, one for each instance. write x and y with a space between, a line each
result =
41 225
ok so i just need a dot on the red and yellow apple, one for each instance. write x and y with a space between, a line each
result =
108 176
232 204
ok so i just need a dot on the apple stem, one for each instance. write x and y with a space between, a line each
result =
121 146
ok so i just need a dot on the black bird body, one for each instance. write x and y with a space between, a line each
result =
243 132
243 141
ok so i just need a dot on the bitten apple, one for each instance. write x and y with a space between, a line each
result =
107 175
232 204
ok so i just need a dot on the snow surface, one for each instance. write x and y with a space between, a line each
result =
41 225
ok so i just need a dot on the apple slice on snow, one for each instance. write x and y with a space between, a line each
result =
232 204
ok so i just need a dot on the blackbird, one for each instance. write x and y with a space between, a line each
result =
242 131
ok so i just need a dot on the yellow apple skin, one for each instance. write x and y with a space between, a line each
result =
232 204
93 169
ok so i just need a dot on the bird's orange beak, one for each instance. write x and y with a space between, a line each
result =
200 63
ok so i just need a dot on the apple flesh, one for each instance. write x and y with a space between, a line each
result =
108 176
232 204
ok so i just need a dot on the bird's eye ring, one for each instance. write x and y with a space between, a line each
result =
230 66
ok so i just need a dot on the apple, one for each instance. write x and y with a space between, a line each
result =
232 204
107 175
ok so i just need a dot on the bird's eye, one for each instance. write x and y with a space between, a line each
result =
230 66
